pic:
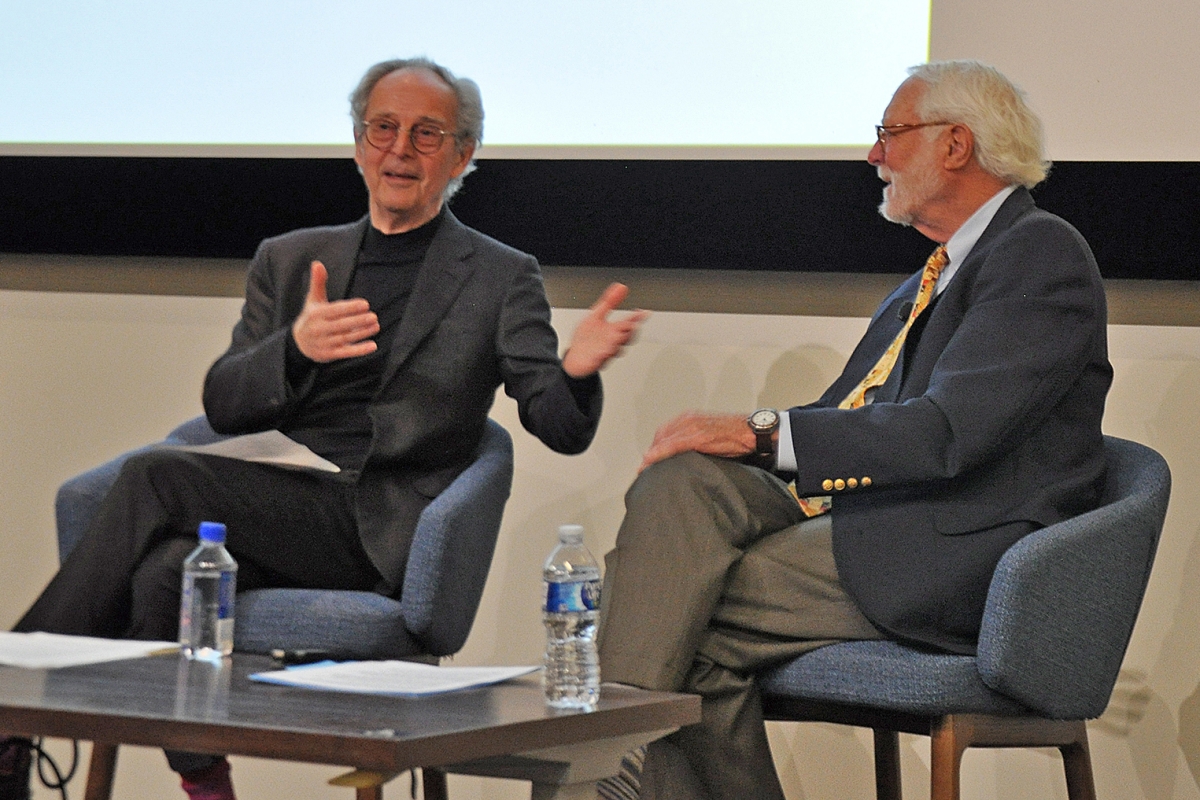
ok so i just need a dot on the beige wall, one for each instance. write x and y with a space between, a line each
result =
1114 80
84 376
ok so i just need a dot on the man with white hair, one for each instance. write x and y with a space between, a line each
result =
967 416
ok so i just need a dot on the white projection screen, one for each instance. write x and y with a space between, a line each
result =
267 77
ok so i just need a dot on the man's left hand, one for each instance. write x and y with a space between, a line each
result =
599 338
725 435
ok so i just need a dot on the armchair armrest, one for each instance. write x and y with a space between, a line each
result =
453 547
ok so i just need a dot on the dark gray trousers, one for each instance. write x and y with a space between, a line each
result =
285 528
716 576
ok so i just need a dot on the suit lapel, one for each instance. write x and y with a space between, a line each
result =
442 276
339 256
1017 204
888 391
879 334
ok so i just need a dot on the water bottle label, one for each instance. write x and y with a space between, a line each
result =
572 596
225 596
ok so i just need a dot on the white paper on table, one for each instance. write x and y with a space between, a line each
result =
402 678
268 447
51 650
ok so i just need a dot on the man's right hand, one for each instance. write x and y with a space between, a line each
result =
725 435
327 331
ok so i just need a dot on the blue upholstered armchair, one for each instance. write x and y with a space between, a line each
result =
451 554
447 568
1058 618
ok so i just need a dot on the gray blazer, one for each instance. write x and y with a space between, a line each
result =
477 318
988 429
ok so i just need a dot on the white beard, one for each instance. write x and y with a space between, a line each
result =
905 196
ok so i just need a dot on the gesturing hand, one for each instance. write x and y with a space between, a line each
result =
327 331
598 338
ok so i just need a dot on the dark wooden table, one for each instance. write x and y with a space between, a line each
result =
503 731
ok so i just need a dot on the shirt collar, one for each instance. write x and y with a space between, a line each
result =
963 241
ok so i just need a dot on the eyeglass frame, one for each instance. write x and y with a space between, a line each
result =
885 132
443 133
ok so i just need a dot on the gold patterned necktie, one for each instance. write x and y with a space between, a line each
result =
883 367
937 261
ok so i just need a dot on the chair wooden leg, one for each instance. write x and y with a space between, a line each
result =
101 768
1077 763
887 765
433 784
367 785
948 739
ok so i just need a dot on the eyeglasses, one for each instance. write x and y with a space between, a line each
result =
425 137
885 132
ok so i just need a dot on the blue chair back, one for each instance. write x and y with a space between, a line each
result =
1063 600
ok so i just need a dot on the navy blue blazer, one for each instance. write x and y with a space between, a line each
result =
477 318
989 428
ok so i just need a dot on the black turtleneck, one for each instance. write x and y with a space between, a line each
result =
333 420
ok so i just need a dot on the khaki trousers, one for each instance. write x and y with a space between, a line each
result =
716 576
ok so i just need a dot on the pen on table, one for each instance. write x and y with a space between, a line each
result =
287 657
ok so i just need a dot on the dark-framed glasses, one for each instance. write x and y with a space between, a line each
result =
425 137
885 132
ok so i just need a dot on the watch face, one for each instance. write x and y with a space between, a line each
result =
764 418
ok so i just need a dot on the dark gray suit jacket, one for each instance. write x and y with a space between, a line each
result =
988 429
477 318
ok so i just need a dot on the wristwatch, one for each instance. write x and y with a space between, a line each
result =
764 423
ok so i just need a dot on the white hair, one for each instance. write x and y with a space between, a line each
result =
1008 134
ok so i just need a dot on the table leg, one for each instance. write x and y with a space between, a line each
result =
101 767
433 784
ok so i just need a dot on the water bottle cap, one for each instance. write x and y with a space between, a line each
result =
212 532
570 533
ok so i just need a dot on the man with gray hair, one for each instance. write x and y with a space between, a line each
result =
967 416
379 345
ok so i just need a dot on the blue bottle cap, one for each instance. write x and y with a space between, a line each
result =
212 532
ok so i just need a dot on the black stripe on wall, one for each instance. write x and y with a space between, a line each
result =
1141 218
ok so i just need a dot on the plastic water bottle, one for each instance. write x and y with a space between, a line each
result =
571 678
206 605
